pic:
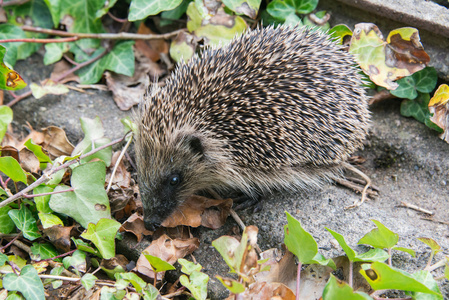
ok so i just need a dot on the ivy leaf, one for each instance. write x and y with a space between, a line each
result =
423 81
427 279
53 6
24 220
406 250
381 276
103 236
233 286
188 267
321 260
336 289
54 52
88 281
6 224
120 60
418 109
431 243
138 283
88 203
104 10
158 264
339 32
77 260
249 8
11 168
9 79
48 220
8 31
34 13
174 14
28 283
93 135
196 283
298 241
5 119
80 17
281 9
42 251
380 237
140 9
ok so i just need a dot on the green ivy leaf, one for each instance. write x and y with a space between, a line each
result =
427 279
28 283
233 286
380 237
174 14
93 135
383 277
86 247
103 236
119 60
138 283
407 250
6 224
151 293
298 241
49 220
3 259
281 9
34 13
196 283
341 240
88 281
24 220
249 8
42 201
336 289
11 168
321 260
423 81
37 150
82 19
53 6
188 267
418 109
339 32
8 31
77 260
158 264
140 9
107 6
42 251
56 272
431 243
88 203
5 119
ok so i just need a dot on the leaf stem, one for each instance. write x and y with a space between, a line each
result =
45 177
103 36
119 159
389 257
351 266
298 279
46 194
59 256
12 241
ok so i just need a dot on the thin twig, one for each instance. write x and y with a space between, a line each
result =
104 36
12 241
368 183
45 177
417 208
46 194
119 159
59 256
41 41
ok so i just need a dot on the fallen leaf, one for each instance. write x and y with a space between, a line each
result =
60 68
439 107
198 210
122 178
60 237
48 87
56 142
166 249
28 161
267 291
150 48
136 226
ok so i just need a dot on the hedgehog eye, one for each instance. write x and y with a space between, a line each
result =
174 180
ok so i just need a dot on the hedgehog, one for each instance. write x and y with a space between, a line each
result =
275 109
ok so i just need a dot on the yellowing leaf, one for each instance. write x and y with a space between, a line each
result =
439 107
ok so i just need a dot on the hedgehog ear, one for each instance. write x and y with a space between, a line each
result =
195 145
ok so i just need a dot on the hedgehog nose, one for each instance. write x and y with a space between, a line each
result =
152 226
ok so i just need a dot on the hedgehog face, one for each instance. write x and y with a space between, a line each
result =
170 170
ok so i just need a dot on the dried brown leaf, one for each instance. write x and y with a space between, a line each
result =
59 236
198 210
136 226
29 161
60 68
56 142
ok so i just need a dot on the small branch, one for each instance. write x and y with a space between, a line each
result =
46 194
81 65
417 208
117 19
119 159
104 36
298 279
41 41
57 277
45 177
381 96
12 241
59 256
18 98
